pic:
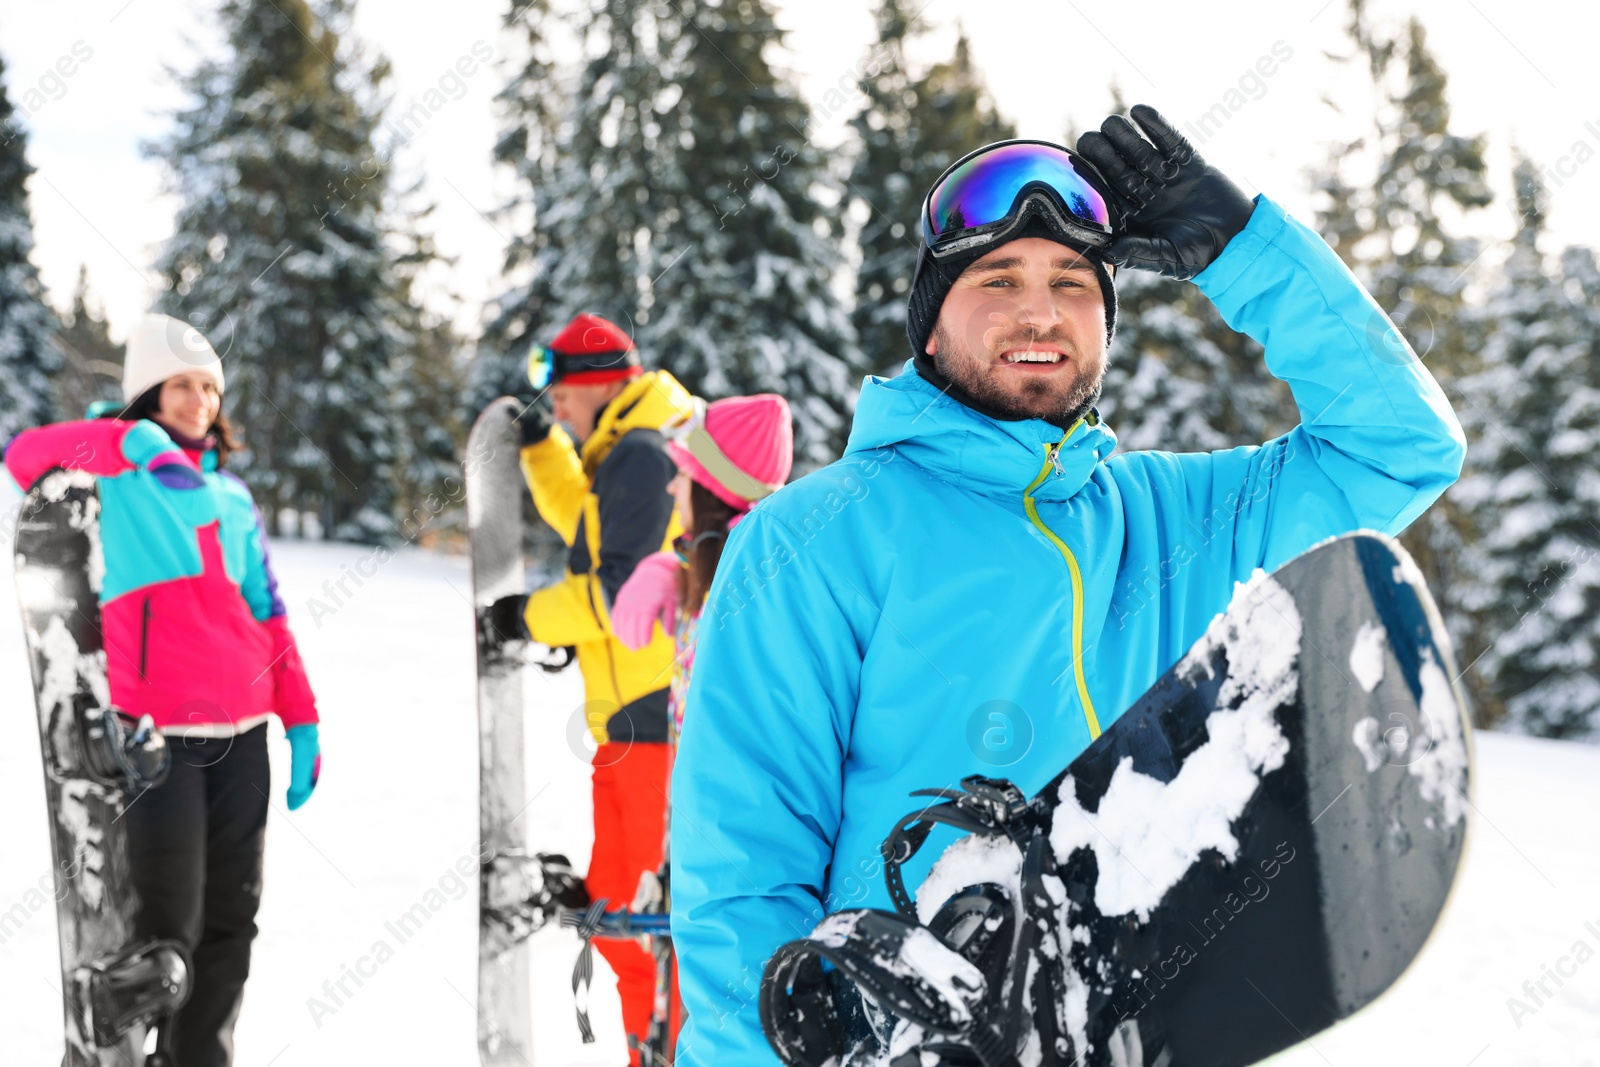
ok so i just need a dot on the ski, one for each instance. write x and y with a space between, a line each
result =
1255 850
96 761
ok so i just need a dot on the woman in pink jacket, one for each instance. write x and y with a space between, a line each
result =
196 637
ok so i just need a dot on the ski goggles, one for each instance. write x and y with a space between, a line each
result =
541 366
986 194
547 367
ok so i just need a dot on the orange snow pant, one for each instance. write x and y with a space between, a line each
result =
630 807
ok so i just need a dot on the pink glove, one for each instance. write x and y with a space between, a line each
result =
650 593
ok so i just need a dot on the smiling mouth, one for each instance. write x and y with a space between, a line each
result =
1032 356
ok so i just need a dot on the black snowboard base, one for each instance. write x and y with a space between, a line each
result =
1258 848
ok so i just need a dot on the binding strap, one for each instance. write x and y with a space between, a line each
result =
889 959
587 925
986 806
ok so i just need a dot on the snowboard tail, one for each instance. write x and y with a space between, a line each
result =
1258 848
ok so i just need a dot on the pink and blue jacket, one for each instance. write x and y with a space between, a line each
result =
196 635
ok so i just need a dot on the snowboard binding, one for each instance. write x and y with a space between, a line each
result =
878 987
125 752
144 984
523 894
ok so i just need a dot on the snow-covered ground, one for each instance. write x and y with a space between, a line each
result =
396 811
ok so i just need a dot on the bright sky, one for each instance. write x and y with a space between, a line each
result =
1521 72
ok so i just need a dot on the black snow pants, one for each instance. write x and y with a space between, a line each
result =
195 844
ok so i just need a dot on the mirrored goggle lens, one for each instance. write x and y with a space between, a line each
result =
540 364
981 191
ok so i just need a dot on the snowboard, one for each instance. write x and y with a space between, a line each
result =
96 762
522 893
1255 850
495 489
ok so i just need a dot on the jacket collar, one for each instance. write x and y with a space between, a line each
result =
650 401
201 450
970 450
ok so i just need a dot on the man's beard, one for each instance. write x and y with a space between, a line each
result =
1039 398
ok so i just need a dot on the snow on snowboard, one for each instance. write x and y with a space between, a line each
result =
96 761
1255 850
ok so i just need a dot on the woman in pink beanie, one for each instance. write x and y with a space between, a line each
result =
730 454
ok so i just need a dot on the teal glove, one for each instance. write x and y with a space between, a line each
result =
307 763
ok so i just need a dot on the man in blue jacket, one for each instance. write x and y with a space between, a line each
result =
978 585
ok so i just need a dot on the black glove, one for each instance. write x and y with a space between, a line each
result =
559 887
1178 211
504 620
533 424
558 659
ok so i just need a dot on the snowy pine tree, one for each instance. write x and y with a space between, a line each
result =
681 197
1421 275
604 200
531 107
29 360
584 169
93 368
908 131
744 253
280 257
1179 380
1395 232
1532 579
427 383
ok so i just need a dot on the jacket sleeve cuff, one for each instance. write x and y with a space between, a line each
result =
553 444
1267 221
145 441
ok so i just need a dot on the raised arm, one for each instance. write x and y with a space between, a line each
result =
1377 442
102 447
555 477
630 520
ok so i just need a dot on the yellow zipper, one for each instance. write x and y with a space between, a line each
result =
1052 462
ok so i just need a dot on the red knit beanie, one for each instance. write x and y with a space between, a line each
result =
740 448
592 351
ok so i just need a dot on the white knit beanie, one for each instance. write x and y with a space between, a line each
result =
160 347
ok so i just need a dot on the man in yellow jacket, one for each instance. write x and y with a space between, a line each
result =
606 495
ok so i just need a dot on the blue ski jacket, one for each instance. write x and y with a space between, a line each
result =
959 595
